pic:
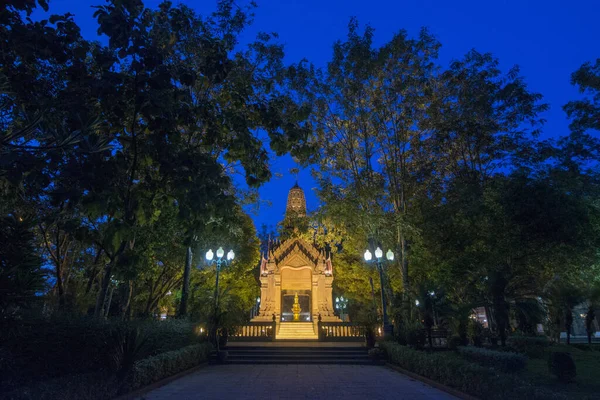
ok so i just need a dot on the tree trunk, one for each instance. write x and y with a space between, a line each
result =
149 303
403 249
112 289
99 310
186 284
568 323
125 309
106 280
501 314
94 272
61 286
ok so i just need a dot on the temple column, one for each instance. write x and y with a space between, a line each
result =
277 297
315 298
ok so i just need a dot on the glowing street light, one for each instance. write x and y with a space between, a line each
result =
390 255
341 304
387 327
219 261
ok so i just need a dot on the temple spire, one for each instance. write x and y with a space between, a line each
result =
296 202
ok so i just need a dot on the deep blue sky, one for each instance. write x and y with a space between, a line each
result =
548 39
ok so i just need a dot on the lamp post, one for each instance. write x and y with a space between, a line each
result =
218 262
256 308
341 304
388 330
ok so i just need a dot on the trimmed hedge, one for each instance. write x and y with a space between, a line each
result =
153 369
476 380
88 386
532 346
45 349
501 360
103 385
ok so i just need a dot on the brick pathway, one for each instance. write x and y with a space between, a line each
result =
348 382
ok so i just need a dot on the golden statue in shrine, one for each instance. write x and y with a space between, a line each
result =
296 308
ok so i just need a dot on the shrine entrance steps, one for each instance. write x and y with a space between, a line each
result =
296 330
300 353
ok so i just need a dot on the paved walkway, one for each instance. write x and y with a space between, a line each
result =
348 382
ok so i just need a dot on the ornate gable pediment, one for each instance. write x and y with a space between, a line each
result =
296 260
296 252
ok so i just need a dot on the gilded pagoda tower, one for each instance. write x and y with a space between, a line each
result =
296 275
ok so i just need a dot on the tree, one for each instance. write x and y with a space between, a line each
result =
104 146
585 112
564 297
217 99
370 123
22 278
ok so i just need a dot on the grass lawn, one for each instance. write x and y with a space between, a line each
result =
587 382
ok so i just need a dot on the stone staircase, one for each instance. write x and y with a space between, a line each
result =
296 331
298 355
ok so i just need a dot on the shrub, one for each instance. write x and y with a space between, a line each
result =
101 385
88 386
163 336
376 353
475 332
454 342
586 347
161 366
533 346
490 336
411 334
60 346
501 360
562 365
476 380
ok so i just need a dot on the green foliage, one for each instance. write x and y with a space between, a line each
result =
411 333
475 332
163 365
470 378
377 353
21 276
61 346
125 152
562 365
128 347
102 385
455 341
501 360
82 386
563 297
532 346
586 347
585 112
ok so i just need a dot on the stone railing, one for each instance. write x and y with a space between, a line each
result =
341 332
253 332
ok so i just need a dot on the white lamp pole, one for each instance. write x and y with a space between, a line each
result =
387 328
341 304
218 262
